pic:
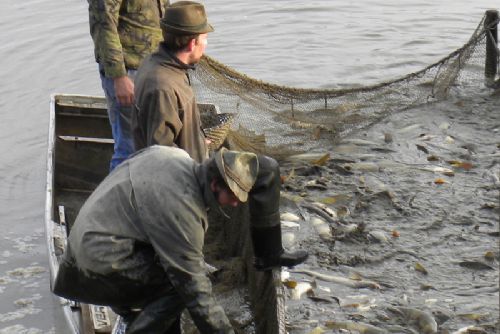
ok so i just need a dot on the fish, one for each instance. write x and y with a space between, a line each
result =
317 330
476 265
323 231
449 140
335 199
290 176
431 301
350 228
361 301
358 284
316 184
409 128
288 216
285 275
301 288
477 291
359 142
460 164
306 157
490 256
362 166
362 328
326 209
424 320
321 227
437 169
426 137
388 138
419 267
343 211
289 224
422 148
380 236
470 329
432 158
323 211
473 316
321 161
288 239
440 181
383 150
444 126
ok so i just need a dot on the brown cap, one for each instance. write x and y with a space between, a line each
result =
185 18
239 170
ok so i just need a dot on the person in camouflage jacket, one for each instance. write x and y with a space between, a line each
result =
123 32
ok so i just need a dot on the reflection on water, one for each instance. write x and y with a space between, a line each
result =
46 48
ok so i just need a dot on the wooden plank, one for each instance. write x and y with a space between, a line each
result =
62 225
62 216
87 326
76 190
76 115
63 240
87 139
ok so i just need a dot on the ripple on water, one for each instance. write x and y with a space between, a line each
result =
53 50
20 329
26 272
25 307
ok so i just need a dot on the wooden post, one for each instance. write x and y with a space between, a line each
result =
491 62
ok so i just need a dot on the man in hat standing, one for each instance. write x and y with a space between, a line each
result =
124 32
166 112
136 244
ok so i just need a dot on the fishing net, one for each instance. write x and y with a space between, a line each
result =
280 121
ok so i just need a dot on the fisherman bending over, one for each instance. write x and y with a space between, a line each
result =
137 242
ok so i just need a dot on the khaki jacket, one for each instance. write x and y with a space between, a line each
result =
166 112
124 32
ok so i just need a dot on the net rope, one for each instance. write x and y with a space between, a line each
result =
280 121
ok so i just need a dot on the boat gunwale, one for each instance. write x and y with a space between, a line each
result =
69 313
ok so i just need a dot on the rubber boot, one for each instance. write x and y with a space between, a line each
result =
269 252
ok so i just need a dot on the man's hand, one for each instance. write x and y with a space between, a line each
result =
124 90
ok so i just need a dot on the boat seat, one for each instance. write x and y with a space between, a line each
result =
87 139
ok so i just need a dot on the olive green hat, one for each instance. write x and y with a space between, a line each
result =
185 18
239 170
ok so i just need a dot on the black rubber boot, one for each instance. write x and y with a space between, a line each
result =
269 252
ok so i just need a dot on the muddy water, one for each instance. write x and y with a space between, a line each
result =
426 231
46 48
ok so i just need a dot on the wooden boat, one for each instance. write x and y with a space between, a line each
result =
80 146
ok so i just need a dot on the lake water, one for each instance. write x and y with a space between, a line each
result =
46 48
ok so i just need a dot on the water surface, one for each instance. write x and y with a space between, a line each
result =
46 48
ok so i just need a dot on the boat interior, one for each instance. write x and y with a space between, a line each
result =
80 152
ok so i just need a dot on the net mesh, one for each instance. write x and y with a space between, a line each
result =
280 121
